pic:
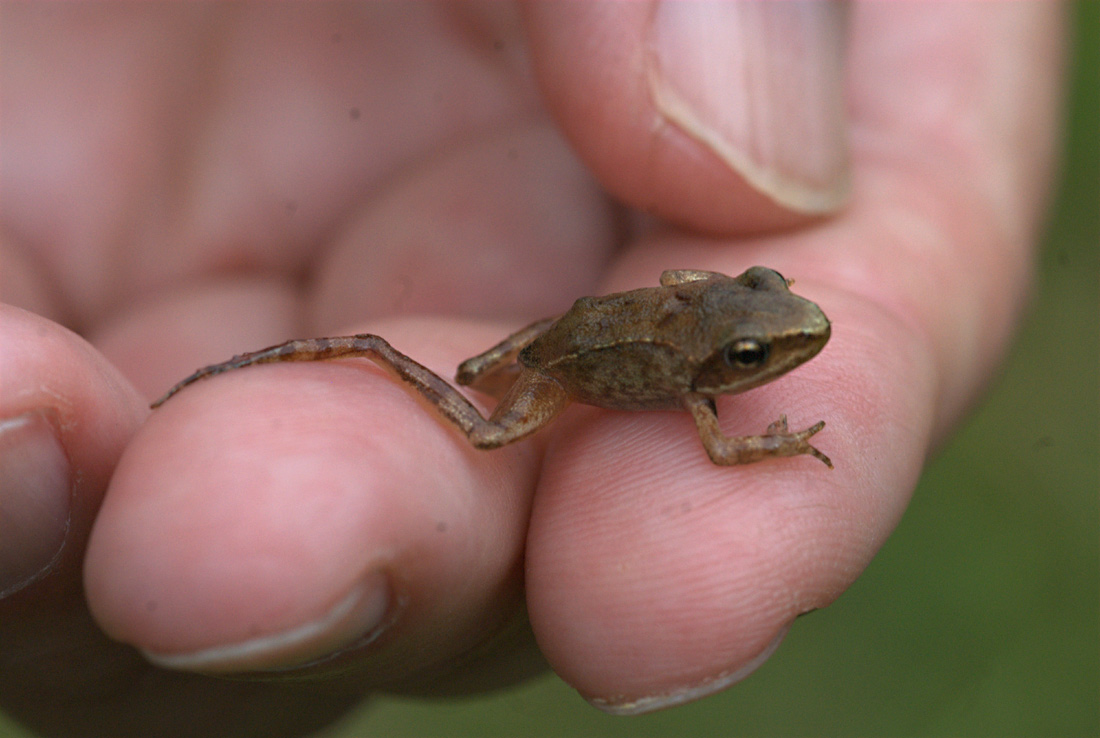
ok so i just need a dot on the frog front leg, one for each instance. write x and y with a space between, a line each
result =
533 400
776 441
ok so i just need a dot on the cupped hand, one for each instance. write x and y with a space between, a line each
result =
182 183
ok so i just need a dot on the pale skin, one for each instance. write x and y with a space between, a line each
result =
634 351
257 172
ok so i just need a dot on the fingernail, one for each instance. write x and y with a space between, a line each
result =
687 694
761 86
35 500
356 620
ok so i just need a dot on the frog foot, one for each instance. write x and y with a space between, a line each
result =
797 442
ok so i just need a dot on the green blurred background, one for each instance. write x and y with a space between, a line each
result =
981 615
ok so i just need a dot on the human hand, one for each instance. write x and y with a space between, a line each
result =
183 183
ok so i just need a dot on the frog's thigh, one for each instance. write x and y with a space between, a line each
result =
532 402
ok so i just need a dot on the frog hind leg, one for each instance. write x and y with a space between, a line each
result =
776 441
494 371
532 402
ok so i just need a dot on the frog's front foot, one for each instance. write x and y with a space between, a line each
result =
776 441
794 444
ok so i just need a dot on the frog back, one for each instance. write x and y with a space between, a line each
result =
622 351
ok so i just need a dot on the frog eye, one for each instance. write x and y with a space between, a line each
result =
746 353
762 278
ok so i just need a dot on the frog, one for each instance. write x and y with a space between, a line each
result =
678 346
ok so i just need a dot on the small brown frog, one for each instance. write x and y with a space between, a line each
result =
677 346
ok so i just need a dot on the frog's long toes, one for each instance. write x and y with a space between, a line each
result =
799 440
803 435
818 455
812 429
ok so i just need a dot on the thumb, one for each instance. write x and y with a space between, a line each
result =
724 117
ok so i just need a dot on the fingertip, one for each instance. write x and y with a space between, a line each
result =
617 705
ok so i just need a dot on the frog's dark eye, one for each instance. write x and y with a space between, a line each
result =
746 353
762 278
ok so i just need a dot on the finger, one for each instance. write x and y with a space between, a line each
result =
314 517
653 577
723 117
508 224
66 415
954 144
